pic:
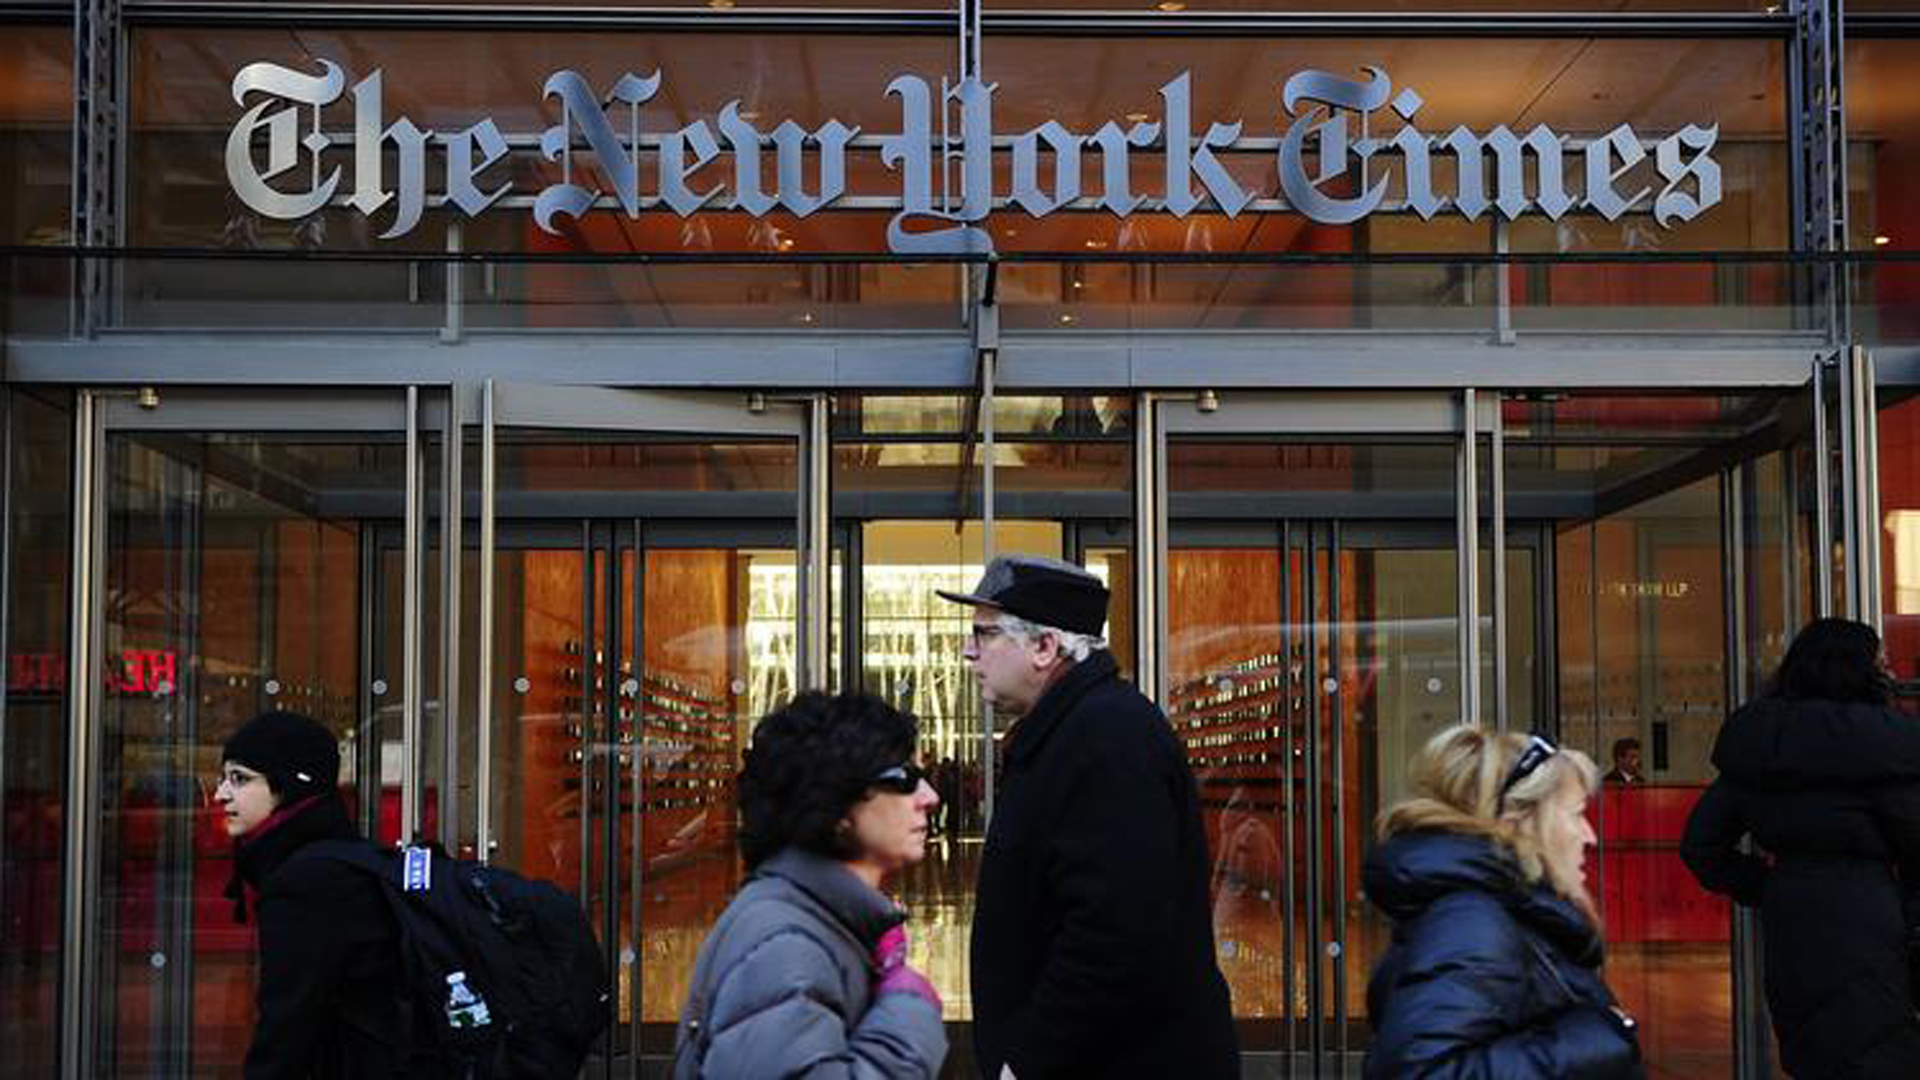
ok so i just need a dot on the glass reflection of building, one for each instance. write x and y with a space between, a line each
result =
1349 482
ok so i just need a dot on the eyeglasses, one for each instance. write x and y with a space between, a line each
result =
237 778
985 632
901 779
1539 749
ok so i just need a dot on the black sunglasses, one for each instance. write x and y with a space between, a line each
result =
1539 749
901 779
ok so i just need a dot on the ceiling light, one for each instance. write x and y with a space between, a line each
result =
1882 241
1079 284
1171 5
1136 118
1066 320
1096 243
751 114
720 5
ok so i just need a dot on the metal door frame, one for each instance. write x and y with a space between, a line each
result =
99 413
803 419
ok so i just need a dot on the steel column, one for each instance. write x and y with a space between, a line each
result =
815 557
1497 468
483 673
87 594
1822 494
1467 558
452 517
410 620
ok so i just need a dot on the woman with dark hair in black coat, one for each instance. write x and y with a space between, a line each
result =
329 949
1826 780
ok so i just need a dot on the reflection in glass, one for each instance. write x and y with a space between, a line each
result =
33 765
230 590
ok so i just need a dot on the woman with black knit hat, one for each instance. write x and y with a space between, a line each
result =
329 975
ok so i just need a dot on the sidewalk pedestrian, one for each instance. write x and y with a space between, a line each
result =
1093 950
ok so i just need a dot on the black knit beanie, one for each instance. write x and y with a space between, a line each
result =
296 755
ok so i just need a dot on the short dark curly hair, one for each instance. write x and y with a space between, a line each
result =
811 760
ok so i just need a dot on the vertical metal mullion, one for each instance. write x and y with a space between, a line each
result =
1867 431
483 673
1336 793
1316 1012
589 642
453 511
1851 543
1749 1020
411 689
814 536
366 763
988 369
87 596
629 956
610 771
1822 493
7 422
1149 544
1467 558
1289 633
1497 466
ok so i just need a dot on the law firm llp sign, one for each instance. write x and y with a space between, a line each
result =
1331 166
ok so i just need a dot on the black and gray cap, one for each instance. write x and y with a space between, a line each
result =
1041 590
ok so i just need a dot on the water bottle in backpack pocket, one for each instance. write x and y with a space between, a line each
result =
504 970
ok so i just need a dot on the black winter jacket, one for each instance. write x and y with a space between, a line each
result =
329 974
1093 951
1488 975
1831 794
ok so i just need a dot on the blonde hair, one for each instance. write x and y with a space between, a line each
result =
1456 780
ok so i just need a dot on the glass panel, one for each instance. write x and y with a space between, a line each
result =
910 642
1900 538
232 586
703 685
1631 490
1303 672
628 671
33 760
1883 132
36 134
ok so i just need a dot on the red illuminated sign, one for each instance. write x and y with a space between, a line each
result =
134 671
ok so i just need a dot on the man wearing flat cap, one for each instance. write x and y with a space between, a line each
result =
1093 951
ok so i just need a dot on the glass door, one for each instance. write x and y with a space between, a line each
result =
228 536
1314 637
635 566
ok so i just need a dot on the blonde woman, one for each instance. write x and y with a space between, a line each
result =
1494 968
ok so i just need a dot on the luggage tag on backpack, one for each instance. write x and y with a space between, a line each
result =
416 869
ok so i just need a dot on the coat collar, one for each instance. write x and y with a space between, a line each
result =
864 910
1032 729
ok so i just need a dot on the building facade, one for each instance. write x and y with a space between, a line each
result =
536 393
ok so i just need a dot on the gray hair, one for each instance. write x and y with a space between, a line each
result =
1076 647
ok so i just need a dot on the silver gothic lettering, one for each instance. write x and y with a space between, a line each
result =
1333 168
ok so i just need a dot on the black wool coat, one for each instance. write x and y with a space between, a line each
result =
1830 792
1487 975
1093 952
329 977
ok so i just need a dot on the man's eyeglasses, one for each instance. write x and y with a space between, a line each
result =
1539 749
985 632
901 779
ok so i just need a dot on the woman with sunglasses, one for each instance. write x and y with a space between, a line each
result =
805 972
1494 969
1825 778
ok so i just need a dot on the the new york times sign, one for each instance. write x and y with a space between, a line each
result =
1333 165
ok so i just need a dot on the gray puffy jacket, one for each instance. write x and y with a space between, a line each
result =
783 986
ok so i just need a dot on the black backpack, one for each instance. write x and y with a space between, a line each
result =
525 947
